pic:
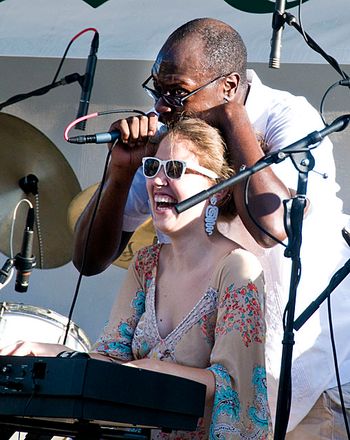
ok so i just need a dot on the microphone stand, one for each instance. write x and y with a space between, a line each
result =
336 279
5 270
24 261
300 146
293 220
42 90
278 21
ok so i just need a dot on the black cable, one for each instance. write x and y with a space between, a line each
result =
344 82
67 49
246 204
300 22
80 277
98 198
291 21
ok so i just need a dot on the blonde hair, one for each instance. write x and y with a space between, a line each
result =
210 149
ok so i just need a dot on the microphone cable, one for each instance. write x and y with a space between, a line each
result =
90 29
7 270
94 212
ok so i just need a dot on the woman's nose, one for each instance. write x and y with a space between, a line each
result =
160 179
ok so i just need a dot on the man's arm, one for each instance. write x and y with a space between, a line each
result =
266 190
106 240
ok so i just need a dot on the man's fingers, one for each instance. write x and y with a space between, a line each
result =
124 129
152 124
136 129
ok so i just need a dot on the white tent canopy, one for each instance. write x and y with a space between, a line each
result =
135 29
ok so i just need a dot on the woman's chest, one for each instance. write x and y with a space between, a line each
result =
187 328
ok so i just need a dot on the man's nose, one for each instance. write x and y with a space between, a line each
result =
161 106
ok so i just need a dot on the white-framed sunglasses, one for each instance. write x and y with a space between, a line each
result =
174 169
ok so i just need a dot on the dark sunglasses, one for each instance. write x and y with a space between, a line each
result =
175 100
174 169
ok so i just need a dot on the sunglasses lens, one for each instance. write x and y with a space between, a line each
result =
172 101
174 169
151 167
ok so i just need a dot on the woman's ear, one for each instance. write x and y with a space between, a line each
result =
221 195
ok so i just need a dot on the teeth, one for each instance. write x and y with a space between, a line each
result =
158 198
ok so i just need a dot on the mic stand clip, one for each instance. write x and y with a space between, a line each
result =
6 269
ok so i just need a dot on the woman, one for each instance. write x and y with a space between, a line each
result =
193 308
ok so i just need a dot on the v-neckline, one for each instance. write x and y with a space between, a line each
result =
182 322
152 290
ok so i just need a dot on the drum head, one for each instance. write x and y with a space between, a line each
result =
29 323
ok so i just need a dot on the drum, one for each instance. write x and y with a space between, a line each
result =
20 322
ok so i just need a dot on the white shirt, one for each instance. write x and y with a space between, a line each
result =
282 118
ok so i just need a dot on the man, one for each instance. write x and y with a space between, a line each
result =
201 70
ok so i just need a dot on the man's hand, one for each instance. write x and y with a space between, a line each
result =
135 142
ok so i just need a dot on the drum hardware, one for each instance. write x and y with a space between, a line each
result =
36 171
30 323
22 322
3 308
34 168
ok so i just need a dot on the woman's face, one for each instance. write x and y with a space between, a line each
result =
164 193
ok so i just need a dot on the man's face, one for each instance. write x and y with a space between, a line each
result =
179 71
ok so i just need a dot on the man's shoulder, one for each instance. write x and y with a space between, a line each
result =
273 111
259 89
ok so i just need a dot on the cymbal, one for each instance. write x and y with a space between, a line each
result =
143 236
25 151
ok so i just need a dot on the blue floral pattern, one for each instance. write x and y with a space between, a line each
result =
223 332
227 410
118 342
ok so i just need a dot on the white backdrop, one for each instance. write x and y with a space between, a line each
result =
33 37
135 29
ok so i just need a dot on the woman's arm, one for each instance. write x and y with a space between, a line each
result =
200 375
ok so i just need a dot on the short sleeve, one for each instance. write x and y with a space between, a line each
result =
137 208
237 360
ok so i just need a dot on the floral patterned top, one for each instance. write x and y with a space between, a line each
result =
224 332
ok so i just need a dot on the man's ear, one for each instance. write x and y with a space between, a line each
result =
231 85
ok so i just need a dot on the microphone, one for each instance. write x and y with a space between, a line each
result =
98 138
88 82
277 26
25 261
112 136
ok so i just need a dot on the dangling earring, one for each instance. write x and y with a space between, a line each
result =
226 100
211 215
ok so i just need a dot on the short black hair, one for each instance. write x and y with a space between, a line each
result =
224 49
